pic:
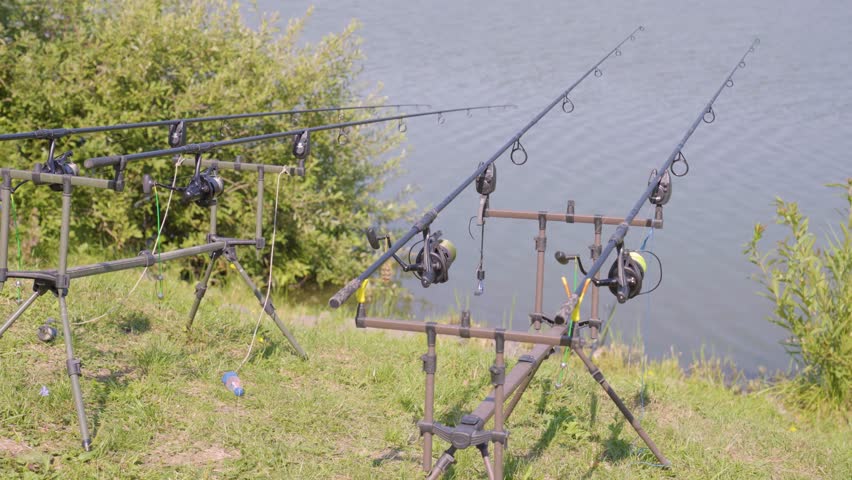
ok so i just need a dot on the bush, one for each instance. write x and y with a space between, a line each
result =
94 62
811 288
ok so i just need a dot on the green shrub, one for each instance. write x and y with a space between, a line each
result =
94 62
811 288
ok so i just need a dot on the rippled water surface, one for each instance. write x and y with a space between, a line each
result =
783 130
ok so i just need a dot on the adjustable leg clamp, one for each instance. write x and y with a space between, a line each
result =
74 367
498 375
464 323
63 282
430 363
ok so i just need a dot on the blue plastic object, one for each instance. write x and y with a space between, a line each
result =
232 382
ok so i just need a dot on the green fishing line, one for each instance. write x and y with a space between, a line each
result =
567 350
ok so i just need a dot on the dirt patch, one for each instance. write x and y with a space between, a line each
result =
198 454
11 448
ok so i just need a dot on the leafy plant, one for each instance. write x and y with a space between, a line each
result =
93 62
811 288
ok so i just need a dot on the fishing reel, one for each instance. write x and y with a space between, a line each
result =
431 264
61 165
203 188
625 276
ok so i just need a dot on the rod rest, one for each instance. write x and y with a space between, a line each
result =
230 241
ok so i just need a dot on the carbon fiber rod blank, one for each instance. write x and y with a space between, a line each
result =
197 148
621 231
344 293
56 133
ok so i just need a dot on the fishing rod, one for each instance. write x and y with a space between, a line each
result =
622 269
301 146
177 130
518 156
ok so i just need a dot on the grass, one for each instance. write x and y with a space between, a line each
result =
158 409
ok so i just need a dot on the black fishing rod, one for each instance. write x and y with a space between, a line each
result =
57 133
707 115
514 143
302 135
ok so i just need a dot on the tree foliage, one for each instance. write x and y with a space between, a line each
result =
95 62
811 289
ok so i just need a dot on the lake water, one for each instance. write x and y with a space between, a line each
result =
783 130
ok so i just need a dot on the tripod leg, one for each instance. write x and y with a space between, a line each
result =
444 461
268 307
200 290
498 379
74 373
20 311
598 376
429 367
483 449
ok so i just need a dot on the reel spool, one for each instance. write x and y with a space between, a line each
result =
61 165
634 272
442 254
429 269
204 188
631 263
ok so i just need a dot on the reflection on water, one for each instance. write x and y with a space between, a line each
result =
782 130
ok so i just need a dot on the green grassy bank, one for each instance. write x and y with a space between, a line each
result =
158 409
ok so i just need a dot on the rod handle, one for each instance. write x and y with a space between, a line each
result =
344 293
102 161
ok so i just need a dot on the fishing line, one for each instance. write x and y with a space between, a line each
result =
269 278
649 237
567 351
156 244
158 286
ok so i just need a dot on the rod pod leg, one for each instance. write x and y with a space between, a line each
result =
74 373
20 311
201 289
268 307
444 461
498 379
430 362
483 449
598 376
